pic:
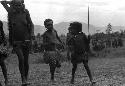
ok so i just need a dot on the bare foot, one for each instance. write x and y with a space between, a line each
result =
24 82
93 83
6 82
0 84
72 81
53 81
57 70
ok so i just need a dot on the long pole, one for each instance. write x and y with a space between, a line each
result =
88 19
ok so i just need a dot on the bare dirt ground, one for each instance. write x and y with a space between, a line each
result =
106 71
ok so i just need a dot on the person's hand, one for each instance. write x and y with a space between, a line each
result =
4 1
63 45
5 43
89 36
33 37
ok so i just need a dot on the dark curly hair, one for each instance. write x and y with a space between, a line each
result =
47 20
76 25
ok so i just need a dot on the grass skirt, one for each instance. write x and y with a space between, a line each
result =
51 57
3 52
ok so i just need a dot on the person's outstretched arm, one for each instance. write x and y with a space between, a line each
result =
5 5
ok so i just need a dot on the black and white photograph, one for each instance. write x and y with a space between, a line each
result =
62 42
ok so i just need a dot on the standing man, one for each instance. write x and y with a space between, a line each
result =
21 31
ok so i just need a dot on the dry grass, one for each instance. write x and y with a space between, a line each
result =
107 71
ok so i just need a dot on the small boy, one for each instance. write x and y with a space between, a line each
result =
79 45
50 42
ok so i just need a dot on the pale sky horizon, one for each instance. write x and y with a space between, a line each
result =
102 12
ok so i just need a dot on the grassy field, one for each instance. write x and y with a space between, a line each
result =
108 70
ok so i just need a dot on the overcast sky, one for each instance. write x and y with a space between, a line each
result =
102 12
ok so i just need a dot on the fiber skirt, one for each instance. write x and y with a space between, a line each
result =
3 52
78 58
51 57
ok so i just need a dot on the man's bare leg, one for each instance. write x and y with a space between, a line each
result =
19 53
26 64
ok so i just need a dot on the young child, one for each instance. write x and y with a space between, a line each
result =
79 45
50 40
3 54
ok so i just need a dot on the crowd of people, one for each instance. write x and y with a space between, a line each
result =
102 41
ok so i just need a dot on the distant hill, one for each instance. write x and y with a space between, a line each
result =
62 28
38 28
